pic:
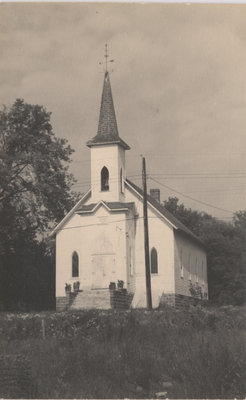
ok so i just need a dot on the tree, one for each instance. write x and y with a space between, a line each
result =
225 245
34 180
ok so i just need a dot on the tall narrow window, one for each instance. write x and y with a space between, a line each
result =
104 179
154 261
189 266
202 274
75 265
181 263
121 181
196 270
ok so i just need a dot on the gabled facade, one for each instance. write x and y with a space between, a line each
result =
101 240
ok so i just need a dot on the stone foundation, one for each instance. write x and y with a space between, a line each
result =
180 301
61 303
64 303
120 299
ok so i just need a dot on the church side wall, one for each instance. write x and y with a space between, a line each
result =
100 236
160 237
190 265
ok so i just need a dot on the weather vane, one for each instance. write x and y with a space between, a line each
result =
106 58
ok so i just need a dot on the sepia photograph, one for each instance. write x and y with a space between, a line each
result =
122 200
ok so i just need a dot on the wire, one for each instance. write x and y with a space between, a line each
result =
189 197
120 220
95 181
202 173
102 223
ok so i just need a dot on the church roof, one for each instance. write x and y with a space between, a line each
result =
107 132
170 217
111 205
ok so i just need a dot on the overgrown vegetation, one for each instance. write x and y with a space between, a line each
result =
134 354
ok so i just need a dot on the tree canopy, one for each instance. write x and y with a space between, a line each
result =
35 184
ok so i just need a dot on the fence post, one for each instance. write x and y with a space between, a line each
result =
43 328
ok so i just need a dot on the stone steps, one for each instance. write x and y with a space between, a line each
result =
92 299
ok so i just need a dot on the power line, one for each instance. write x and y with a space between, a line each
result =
189 197
121 220
95 181
202 173
176 177
163 176
100 223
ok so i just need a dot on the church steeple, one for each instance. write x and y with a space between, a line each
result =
108 167
107 127
107 132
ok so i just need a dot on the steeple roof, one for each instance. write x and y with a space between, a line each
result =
107 132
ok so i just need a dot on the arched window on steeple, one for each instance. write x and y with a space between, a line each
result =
154 261
75 265
104 179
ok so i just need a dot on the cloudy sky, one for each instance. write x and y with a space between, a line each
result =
178 81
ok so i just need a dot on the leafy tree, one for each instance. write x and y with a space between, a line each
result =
35 186
225 245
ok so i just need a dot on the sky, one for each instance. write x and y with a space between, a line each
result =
178 83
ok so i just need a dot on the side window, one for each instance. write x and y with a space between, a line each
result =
75 265
181 263
202 273
196 269
121 181
154 261
189 266
104 179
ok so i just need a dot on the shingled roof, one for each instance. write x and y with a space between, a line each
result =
170 217
107 132
112 205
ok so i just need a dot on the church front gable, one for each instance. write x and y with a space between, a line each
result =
99 240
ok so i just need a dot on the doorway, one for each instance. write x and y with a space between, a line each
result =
103 270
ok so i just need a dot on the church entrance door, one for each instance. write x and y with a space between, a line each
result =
103 270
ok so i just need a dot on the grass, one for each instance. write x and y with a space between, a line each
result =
135 354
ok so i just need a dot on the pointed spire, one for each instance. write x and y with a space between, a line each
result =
107 127
107 121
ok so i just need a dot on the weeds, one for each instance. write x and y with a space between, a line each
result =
134 354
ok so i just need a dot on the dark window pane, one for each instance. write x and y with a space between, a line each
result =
154 261
104 179
75 265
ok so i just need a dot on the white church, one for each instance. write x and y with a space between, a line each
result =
101 240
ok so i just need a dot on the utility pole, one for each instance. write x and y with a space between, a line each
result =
146 239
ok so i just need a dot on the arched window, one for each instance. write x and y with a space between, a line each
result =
154 261
121 181
75 265
104 179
